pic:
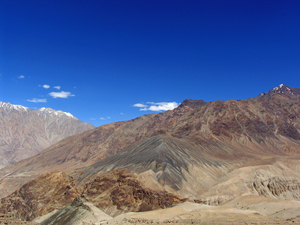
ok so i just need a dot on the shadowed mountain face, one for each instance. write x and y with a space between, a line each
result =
210 152
25 132
162 161
194 104
78 212
156 153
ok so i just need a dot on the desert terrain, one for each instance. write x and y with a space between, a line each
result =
222 162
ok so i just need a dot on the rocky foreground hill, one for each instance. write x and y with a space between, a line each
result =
241 155
25 132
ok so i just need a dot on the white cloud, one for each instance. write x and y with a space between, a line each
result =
158 106
141 105
46 86
62 94
122 113
102 118
57 87
93 119
35 100
21 77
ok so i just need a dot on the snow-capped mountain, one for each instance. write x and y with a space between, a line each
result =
9 107
281 89
25 132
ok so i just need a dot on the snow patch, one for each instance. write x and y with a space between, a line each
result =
278 87
8 107
282 89
58 113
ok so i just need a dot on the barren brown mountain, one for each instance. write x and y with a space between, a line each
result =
25 132
210 153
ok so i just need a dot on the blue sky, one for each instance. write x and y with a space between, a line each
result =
99 59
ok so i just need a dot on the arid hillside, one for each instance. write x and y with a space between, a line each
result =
209 153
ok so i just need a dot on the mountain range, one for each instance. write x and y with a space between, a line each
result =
25 132
226 153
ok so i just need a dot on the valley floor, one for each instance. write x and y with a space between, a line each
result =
191 213
185 213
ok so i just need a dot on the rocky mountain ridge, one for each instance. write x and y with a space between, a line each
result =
8 107
25 132
213 153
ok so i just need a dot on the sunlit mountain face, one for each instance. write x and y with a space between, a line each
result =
25 132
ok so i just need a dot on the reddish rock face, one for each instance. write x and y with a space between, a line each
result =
115 192
120 190
40 196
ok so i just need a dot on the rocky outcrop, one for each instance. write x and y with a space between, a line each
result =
119 191
40 196
278 188
114 193
78 212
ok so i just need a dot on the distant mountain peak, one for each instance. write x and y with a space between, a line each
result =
281 89
25 132
45 111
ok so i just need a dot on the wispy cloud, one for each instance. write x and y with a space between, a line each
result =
62 94
156 106
122 113
36 100
57 87
46 86
102 118
93 119
21 77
